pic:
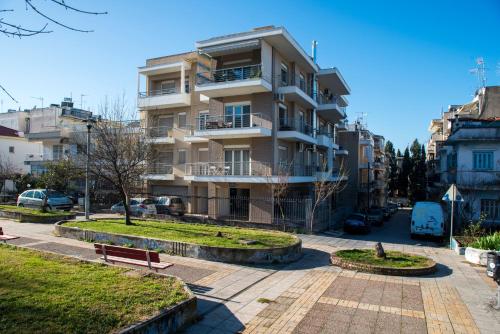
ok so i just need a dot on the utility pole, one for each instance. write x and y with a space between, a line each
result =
368 186
89 122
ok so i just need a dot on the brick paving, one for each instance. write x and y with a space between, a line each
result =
310 296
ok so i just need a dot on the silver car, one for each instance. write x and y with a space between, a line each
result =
138 207
34 198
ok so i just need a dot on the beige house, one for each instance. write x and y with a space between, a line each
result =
237 116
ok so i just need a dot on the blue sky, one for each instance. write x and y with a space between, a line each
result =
404 60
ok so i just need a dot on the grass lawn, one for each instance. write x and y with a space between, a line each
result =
200 234
33 212
393 260
45 293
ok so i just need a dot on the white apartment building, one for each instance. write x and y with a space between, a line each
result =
230 118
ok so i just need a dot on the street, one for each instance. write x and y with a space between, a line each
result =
311 296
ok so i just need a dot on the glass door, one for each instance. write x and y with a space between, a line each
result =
237 116
165 125
237 162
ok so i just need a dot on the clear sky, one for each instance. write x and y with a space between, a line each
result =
404 60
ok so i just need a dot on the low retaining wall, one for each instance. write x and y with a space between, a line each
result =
167 321
26 218
220 254
337 261
457 247
476 256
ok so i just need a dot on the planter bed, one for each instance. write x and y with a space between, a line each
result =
458 244
25 215
425 266
50 293
191 240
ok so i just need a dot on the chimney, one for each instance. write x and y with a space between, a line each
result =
314 50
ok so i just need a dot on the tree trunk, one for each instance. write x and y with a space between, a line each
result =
126 207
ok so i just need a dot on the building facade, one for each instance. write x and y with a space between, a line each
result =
237 116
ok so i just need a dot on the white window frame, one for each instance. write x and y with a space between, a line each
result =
167 82
178 123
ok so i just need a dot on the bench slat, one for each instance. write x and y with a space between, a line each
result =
7 237
162 265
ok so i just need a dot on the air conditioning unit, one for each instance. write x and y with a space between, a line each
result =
279 97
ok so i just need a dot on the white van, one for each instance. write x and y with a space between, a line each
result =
427 219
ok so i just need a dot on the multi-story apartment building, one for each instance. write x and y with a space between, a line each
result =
470 154
365 164
238 115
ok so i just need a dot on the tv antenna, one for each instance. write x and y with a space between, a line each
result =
480 72
39 99
361 119
81 100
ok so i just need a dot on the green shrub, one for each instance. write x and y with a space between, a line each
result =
488 242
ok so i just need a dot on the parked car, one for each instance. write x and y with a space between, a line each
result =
138 207
375 216
357 223
34 198
170 205
393 207
427 220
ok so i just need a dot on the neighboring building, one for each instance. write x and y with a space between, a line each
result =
229 119
54 127
13 150
365 164
470 154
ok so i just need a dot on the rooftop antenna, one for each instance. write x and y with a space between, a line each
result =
39 99
361 119
81 100
480 72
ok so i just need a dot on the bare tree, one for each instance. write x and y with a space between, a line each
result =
328 182
14 29
278 185
120 152
7 171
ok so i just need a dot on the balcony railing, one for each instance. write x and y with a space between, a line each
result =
159 92
293 124
229 74
159 131
233 121
292 169
160 168
290 80
243 168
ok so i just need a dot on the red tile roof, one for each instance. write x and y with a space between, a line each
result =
8 132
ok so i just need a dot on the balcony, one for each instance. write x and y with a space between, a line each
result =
163 98
341 151
331 108
293 129
233 81
160 135
247 172
159 172
244 125
296 91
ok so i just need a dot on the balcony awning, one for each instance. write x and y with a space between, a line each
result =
332 79
164 68
229 48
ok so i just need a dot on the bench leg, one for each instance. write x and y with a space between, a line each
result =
149 260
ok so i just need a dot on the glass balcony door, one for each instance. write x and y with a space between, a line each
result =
165 124
237 162
237 116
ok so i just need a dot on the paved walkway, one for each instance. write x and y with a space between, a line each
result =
310 296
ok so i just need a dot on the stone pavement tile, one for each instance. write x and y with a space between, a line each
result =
388 323
335 327
338 287
355 290
410 325
393 295
365 318
187 273
373 292
355 328
412 298
22 241
74 251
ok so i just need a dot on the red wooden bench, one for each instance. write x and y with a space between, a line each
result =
139 257
5 237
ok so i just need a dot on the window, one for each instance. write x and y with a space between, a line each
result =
181 121
186 84
57 152
283 115
491 208
38 195
203 117
482 160
167 87
237 116
302 82
181 157
11 149
284 74
237 162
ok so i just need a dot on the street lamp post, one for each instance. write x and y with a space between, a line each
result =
87 172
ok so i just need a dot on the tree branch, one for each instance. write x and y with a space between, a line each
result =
6 92
62 3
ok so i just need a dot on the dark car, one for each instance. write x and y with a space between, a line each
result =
387 213
357 223
393 207
375 216
170 205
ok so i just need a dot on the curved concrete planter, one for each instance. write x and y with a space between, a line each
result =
26 218
337 261
220 254
476 256
169 320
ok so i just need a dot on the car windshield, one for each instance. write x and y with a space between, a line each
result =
356 217
53 194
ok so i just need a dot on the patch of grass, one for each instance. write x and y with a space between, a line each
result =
33 212
488 242
393 260
201 234
46 293
264 300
